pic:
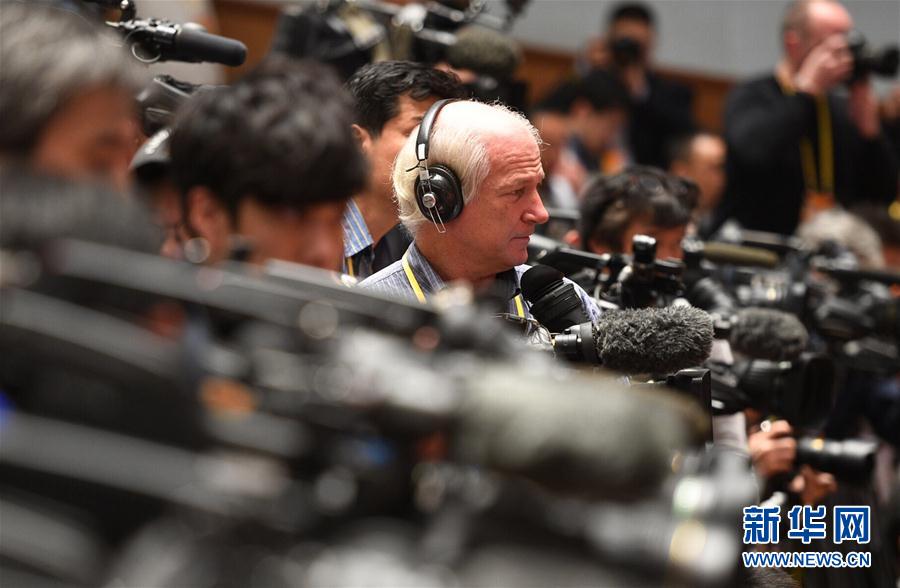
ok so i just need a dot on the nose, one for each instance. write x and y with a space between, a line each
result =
535 213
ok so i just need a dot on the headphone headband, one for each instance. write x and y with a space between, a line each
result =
425 128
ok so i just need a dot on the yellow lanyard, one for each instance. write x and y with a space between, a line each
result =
420 296
349 261
824 182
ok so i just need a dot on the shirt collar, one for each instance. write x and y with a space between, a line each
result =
356 232
428 278
431 282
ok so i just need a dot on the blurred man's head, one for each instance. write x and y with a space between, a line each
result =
700 157
599 111
809 22
390 98
639 201
66 94
630 34
496 154
271 159
551 118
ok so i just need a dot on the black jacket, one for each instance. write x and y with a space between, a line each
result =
661 117
763 130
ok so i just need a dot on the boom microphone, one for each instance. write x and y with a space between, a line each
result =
641 341
762 333
160 40
554 301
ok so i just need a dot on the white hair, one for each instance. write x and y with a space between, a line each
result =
459 141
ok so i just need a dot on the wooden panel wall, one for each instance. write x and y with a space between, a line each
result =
254 24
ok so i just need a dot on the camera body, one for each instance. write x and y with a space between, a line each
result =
883 62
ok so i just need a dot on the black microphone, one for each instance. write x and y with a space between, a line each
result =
642 340
554 302
161 40
763 333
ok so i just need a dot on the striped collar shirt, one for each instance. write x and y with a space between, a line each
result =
359 253
394 282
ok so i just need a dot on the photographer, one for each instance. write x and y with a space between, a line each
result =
66 94
390 98
795 145
660 109
483 167
265 167
639 201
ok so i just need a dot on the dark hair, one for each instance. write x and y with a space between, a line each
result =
611 203
376 90
281 135
632 11
603 91
50 55
559 100
680 148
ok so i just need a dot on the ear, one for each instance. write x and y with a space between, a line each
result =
791 40
364 138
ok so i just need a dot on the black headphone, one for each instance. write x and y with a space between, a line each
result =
438 188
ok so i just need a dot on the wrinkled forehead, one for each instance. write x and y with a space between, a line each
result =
513 157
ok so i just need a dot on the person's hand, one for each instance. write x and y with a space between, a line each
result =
812 485
773 449
863 107
634 78
828 64
597 53
890 105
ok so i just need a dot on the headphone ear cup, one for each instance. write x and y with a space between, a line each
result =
447 191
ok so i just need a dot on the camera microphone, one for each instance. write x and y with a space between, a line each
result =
762 333
554 301
641 341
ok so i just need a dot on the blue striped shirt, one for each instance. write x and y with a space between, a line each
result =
359 255
392 281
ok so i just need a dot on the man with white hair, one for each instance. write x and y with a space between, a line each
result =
466 183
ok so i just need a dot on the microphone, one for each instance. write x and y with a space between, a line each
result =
161 40
729 254
554 302
484 51
641 341
762 333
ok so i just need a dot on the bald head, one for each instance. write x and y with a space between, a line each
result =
809 22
